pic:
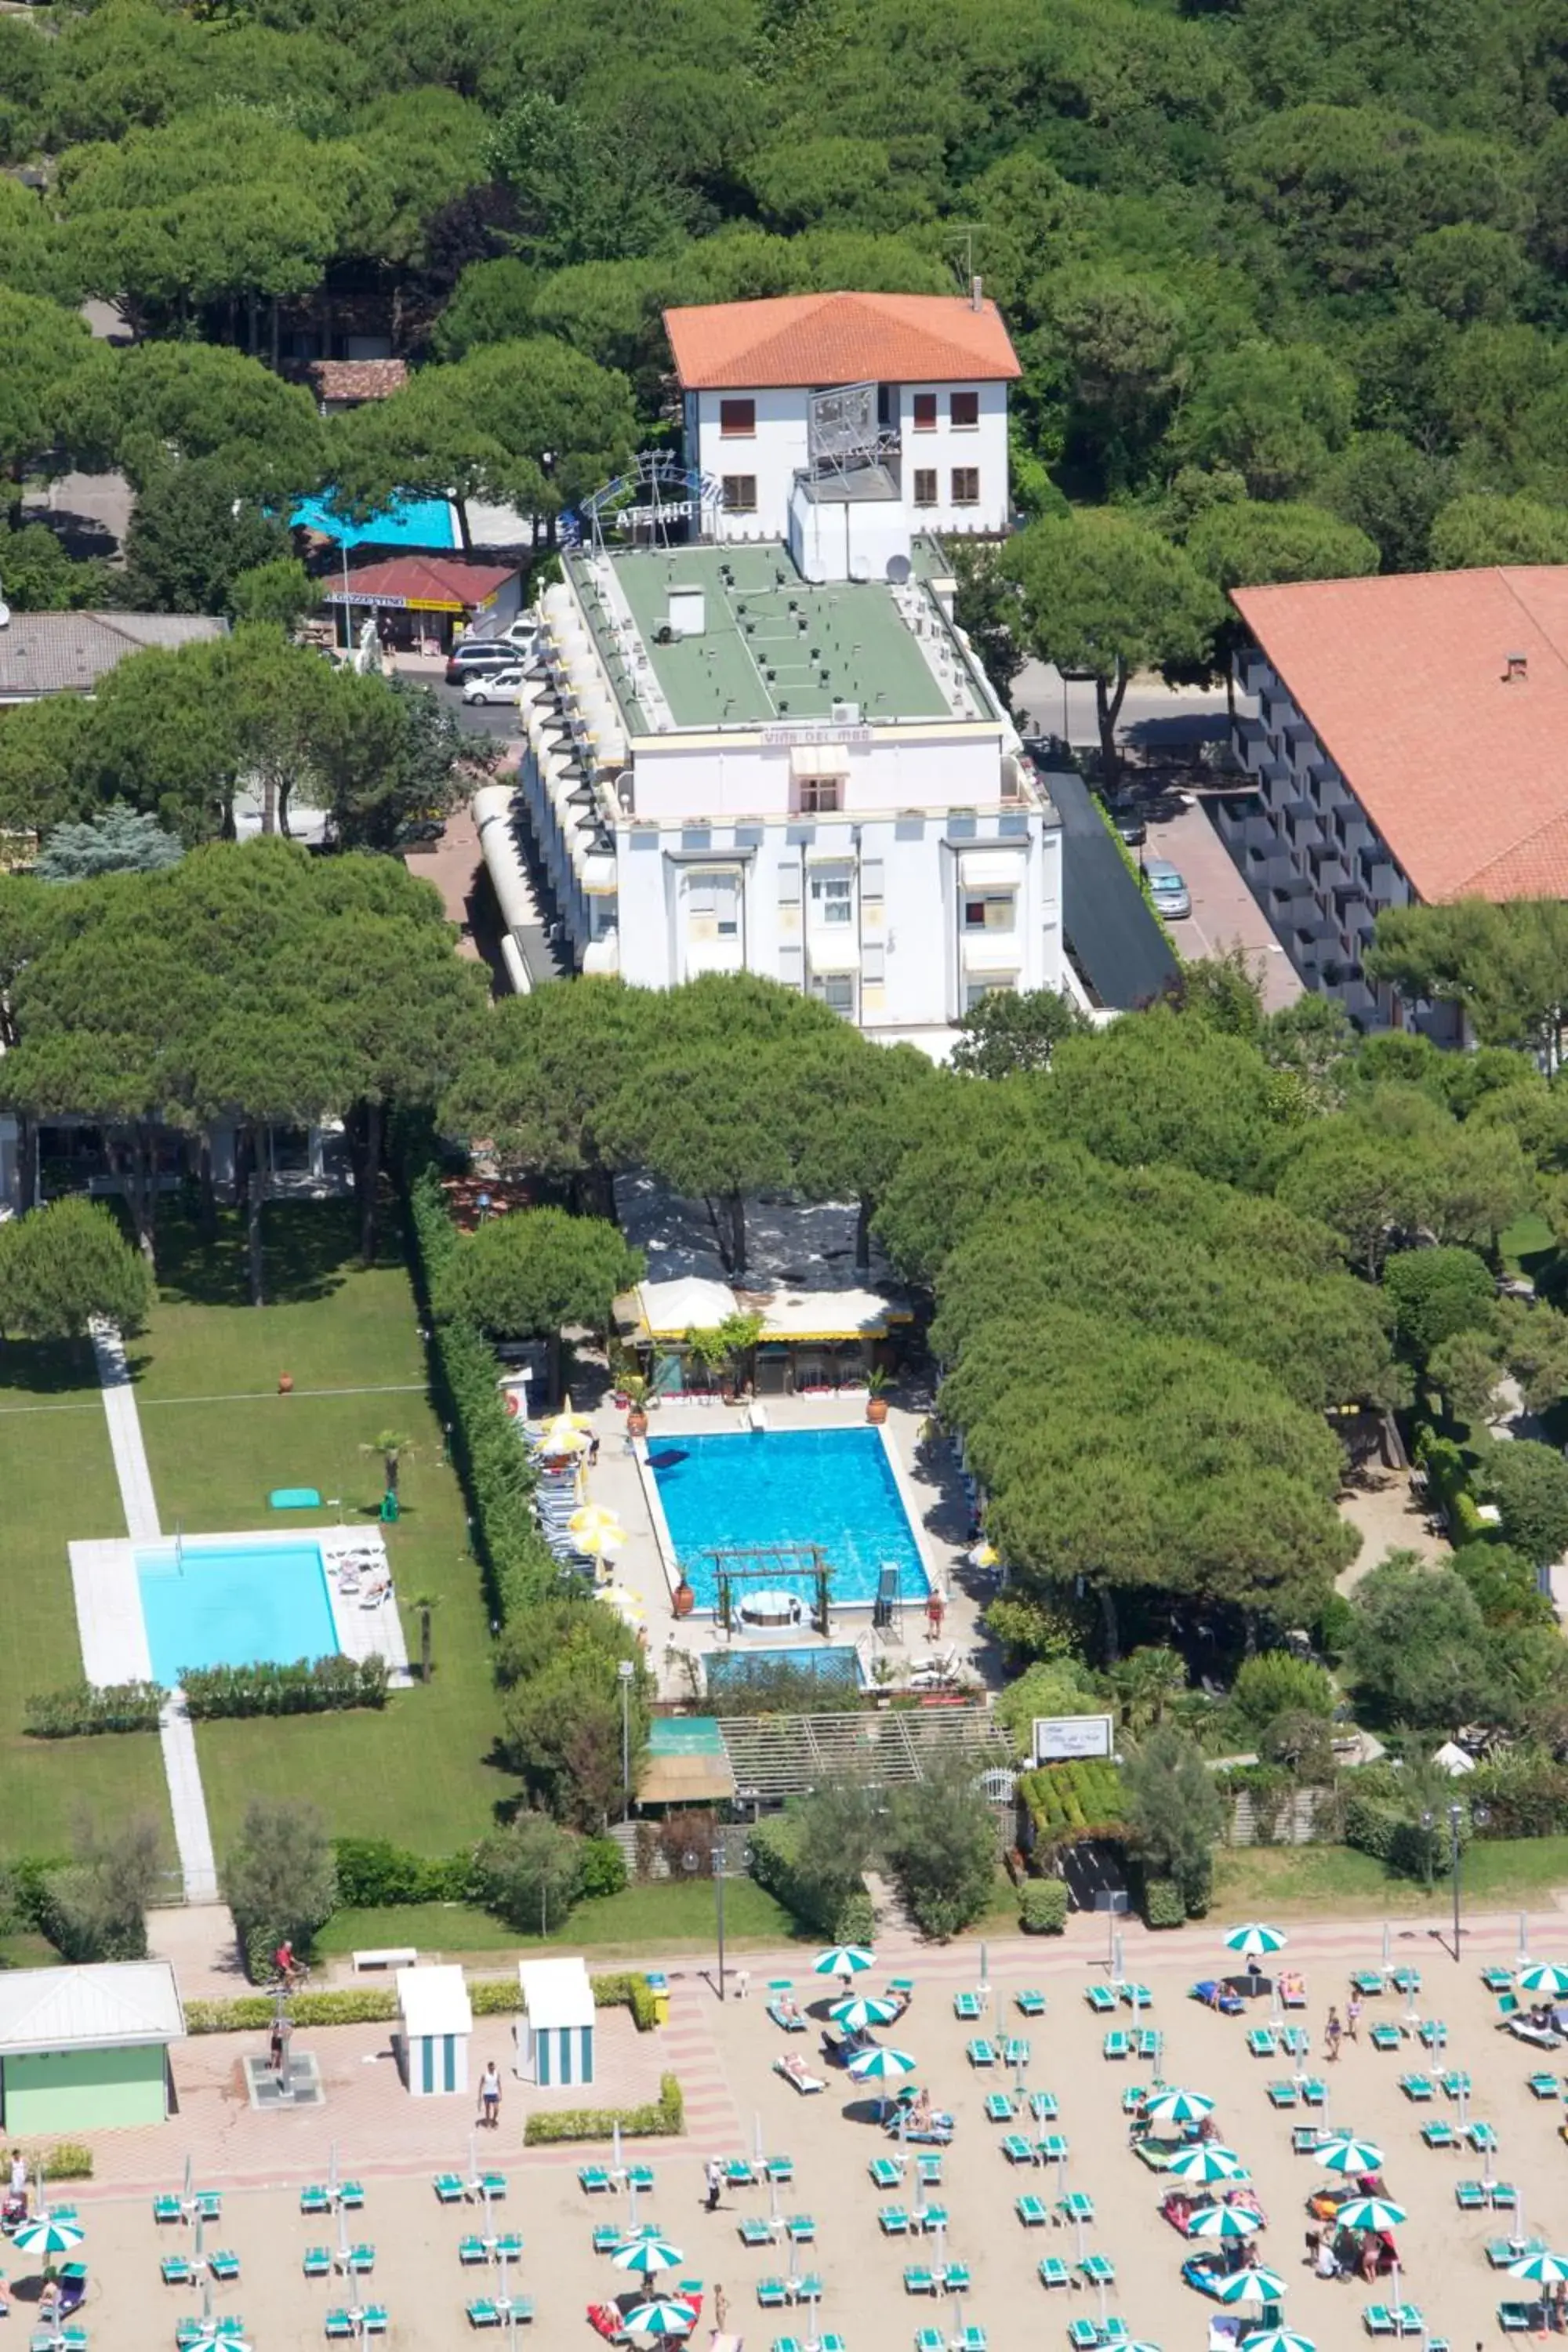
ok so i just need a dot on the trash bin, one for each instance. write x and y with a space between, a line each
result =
658 1985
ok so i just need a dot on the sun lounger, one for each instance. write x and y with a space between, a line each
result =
918 2280
1436 2133
1518 2319
773 2295
1314 2091
1261 2042
1053 2270
1497 1980
1385 2038
781 2168
807 2289
1453 2082
740 2172
1097 2269
1215 1995
1078 2205
927 2339
1052 2147
1502 2251
1305 2138
1083 2334
339 2326
594 2177
167 2209
795 2071
1432 2034
640 2176
1368 1982
1134 2099
1033 2212
1102 1998
1481 2137
315 2200
955 2278
1017 2149
1504 2197
1293 2041
317 2263
1417 2088
1043 2106
1146 2043
223 2267
966 2007
373 2318
1282 2094
1030 2004
1542 2086
884 2172
968 2339
894 2221
1015 2051
1470 2196
1377 2319
1116 2044
980 2053
608 2236
755 2231
1404 1980
1136 1996
801 2230
999 2108
351 2195
928 2217
928 2171
482 2313
788 2020
176 2271
787 2343
448 2188
472 2249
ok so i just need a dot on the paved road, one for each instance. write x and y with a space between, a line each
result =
1153 715
497 718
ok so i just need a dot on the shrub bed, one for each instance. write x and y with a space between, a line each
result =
377 2005
1068 1801
772 1857
664 2119
1163 1903
68 2159
79 1710
1043 1907
374 1874
497 1480
308 1686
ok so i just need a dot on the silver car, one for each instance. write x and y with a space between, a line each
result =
1167 890
493 685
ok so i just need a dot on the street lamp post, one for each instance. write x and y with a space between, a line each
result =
626 1670
1479 1817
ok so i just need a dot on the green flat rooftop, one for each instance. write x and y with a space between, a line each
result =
773 649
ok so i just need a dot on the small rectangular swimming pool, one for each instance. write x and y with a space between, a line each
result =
833 1487
221 1604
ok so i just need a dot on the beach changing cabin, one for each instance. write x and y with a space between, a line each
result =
437 2021
85 2049
556 2033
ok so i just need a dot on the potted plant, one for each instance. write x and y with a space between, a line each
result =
683 1600
633 1388
876 1402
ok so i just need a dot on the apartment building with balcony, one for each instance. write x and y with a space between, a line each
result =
1409 744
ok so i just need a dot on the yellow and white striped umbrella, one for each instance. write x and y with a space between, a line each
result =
567 1433
596 1532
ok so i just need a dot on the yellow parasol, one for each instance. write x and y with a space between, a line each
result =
985 1555
567 1432
596 1532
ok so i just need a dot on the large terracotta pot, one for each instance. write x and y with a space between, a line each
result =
684 1600
637 1422
877 1409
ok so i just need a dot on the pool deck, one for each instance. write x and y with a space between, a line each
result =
677 1646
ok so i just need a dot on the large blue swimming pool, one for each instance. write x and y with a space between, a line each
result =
229 1605
828 1486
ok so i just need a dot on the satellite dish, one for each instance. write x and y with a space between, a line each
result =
898 570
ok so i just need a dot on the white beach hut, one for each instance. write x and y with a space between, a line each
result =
436 2024
556 2033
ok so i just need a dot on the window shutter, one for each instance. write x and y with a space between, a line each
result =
873 966
789 882
871 877
792 967
700 897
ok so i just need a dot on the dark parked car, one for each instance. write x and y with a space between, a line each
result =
477 657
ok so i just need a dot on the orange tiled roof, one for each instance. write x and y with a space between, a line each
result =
357 379
825 339
1403 682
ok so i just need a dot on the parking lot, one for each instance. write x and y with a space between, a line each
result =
1224 912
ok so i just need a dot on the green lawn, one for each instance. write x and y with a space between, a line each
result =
1502 1873
669 1916
56 1483
417 1772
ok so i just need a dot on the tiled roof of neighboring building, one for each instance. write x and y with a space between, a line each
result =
106 2007
357 379
62 653
827 339
1405 682
437 584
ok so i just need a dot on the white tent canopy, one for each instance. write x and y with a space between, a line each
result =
689 1302
1453 1760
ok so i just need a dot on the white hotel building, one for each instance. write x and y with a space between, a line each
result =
769 749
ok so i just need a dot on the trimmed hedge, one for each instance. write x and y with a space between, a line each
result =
497 1480
1043 1907
374 1874
308 1686
1069 1801
79 1710
1163 1903
377 2005
664 2119
1403 1845
772 1855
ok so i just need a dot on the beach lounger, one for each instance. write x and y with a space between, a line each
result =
1432 2034
1030 2004
1097 2269
448 2188
1053 2270
1215 1995
885 2173
1102 1998
1453 2083
740 2172
1508 2005
1282 2094
1078 2205
1017 2149
1407 2319
509 2247
1470 2196
1116 2044
608 2236
472 2251
1294 2040
1404 1980
1436 2133
809 2289
1377 2319
1368 1982
315 2200
482 2313
787 2020
928 2171
1134 2098
223 2267
1497 1980
1417 2088
351 2196
594 2177
1514 2318
1261 2042
1015 2050
1542 2086
167 2209
787 2343
999 2107
1083 2334
373 2318
955 2279
755 2231
339 2326
980 2053
927 2339
782 2169
1033 2212
968 2339
1146 2043
1481 2137
795 2071
1136 1996
1052 2147
1502 2251
929 2217
918 2280
1305 2138
207 2205
801 2230
317 2263
894 2221
176 2271
966 2007
773 2295
1314 2091
1043 2106
1504 2197
1385 2037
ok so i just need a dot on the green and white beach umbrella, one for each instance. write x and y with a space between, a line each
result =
1347 2155
216 2335
1541 2270
1371 2213
1205 2160
881 2065
1543 1976
862 2010
1253 1940
1224 2221
1276 2339
659 2317
646 2254
1179 2108
1255 2285
844 1960
51 2233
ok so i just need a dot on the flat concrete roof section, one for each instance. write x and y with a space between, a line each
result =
773 648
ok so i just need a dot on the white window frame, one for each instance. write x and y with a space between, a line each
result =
986 899
832 897
829 987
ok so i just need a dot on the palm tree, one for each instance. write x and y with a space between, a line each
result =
1144 1685
425 1603
392 1447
